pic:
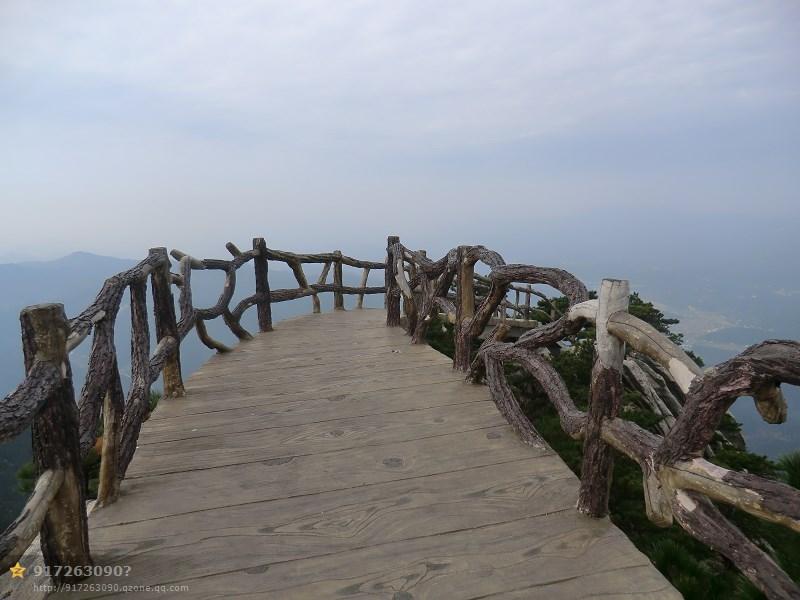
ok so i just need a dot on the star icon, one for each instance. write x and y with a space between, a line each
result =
18 571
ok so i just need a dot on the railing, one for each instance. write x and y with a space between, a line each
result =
679 484
63 431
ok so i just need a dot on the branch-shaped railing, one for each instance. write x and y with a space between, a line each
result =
679 484
64 431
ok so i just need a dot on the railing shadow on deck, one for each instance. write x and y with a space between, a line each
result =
680 485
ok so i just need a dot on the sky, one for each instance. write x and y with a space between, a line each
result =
548 130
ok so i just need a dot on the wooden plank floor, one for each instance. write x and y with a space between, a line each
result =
331 459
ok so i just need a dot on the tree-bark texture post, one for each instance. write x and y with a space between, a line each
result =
410 304
527 302
261 265
338 296
323 277
56 444
138 400
364 279
606 396
465 310
392 290
113 408
166 323
101 363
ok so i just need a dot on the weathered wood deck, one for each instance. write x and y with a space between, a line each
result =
332 459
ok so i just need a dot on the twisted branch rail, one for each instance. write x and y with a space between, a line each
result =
679 484
64 432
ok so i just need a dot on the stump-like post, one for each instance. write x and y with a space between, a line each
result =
323 277
392 289
465 284
338 296
56 445
407 304
364 278
528 302
166 323
261 265
606 396
113 409
465 309
411 305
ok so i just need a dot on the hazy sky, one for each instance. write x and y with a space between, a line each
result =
125 125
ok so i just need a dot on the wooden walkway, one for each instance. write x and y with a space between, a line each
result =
331 459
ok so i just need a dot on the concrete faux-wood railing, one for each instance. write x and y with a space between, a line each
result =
63 431
678 482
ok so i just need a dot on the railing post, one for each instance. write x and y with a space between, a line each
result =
364 279
323 277
113 409
465 309
392 290
338 296
264 307
410 307
528 302
605 397
56 445
465 283
166 323
405 303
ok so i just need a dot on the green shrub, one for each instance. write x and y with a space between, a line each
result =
789 467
